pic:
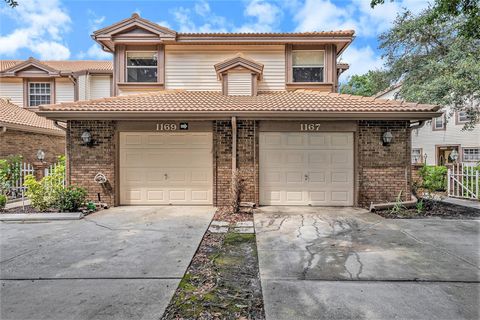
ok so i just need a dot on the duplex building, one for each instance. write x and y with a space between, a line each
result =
191 109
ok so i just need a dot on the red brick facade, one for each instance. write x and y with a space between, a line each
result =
383 171
84 162
14 142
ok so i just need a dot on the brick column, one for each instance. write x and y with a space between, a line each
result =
383 171
39 169
84 162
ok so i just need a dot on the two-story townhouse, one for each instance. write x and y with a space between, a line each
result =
192 109
24 85
434 142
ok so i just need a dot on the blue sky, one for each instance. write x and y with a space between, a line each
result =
56 29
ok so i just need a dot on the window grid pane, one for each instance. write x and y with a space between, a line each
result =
417 155
39 93
471 154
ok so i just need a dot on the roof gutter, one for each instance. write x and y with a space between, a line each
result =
3 130
419 125
59 126
226 115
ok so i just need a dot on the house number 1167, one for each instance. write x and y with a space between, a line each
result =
309 126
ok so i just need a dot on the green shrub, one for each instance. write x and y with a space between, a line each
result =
434 178
45 194
10 171
3 201
71 198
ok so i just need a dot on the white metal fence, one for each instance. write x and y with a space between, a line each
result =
17 188
463 181
49 170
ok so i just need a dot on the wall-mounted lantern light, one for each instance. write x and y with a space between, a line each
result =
387 138
40 155
454 155
87 138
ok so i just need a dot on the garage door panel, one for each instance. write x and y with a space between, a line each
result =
325 159
166 168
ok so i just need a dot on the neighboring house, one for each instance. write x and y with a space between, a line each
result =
192 108
31 82
23 132
434 142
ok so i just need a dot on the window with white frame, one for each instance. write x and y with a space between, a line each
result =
463 117
417 156
308 65
439 123
471 154
141 66
38 93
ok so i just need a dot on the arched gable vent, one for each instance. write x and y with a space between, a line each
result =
239 75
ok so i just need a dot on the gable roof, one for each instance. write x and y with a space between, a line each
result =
18 118
121 32
58 66
300 103
239 60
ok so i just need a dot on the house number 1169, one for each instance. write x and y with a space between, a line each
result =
309 126
166 127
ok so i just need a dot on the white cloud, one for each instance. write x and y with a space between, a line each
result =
42 24
361 60
266 17
208 22
202 8
165 24
95 52
94 21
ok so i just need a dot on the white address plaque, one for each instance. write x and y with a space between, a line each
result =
309 126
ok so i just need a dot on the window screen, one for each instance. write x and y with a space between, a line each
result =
308 66
141 67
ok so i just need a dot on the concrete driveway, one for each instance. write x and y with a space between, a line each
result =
346 263
121 263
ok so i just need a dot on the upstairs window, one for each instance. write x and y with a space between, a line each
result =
38 93
462 117
439 123
417 156
308 65
141 66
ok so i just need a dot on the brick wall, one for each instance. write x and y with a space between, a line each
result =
27 144
383 171
247 161
85 162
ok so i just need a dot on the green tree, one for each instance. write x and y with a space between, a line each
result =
435 62
366 84
468 10
11 3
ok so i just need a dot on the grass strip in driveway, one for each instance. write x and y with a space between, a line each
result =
222 281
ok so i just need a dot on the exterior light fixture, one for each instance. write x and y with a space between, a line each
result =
387 138
40 155
454 155
87 138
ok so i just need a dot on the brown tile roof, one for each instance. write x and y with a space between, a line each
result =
12 114
65 65
209 101
332 33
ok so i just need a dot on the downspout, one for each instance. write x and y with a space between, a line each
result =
3 130
234 145
406 204
56 124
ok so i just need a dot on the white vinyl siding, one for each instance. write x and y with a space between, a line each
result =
13 90
99 87
427 139
239 84
83 87
64 91
192 67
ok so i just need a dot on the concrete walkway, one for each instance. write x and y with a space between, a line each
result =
121 263
347 263
463 202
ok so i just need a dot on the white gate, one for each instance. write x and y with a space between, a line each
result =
463 181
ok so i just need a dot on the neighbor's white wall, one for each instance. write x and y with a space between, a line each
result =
427 139
192 67
12 89
64 90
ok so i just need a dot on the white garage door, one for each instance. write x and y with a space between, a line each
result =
166 168
314 168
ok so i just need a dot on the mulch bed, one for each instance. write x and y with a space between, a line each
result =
222 281
28 209
433 209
